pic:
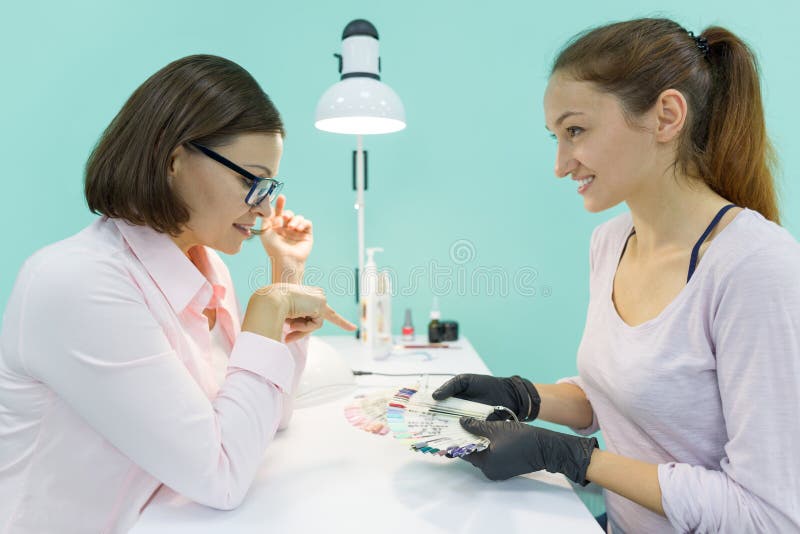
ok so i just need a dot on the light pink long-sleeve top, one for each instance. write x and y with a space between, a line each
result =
108 387
709 389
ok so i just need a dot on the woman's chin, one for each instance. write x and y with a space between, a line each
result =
228 248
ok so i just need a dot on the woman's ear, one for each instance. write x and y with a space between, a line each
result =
671 109
176 161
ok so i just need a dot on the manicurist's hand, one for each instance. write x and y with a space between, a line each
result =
515 393
518 448
304 308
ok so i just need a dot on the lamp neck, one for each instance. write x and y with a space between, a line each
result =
360 57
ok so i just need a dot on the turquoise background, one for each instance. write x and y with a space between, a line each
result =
472 172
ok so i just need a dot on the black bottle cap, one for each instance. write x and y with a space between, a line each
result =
359 27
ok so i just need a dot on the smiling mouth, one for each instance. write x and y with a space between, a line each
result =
245 230
584 182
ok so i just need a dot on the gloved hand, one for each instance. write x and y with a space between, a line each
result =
517 448
515 393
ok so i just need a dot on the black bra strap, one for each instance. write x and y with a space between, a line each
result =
696 249
624 248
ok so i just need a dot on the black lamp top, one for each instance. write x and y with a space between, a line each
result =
359 27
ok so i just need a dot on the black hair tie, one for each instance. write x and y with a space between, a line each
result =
701 42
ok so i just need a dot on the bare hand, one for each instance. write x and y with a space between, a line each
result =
287 238
304 308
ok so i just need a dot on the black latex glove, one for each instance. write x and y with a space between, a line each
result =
517 448
515 393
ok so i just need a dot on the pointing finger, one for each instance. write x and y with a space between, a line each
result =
329 315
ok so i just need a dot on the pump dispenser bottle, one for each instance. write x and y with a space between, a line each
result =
376 312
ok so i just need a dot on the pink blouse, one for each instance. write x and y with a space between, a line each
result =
108 388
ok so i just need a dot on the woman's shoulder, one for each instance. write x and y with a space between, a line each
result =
612 232
759 232
758 252
751 234
80 257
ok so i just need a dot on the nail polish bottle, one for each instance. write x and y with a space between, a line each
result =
434 332
408 327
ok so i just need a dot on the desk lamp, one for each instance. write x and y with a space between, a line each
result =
358 104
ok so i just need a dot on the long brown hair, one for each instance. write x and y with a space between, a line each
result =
202 98
725 140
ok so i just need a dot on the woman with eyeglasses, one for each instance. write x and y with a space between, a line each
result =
125 363
690 357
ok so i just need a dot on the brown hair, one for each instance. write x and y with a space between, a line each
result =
202 98
725 141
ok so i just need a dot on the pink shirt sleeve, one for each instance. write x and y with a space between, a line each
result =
757 337
95 338
299 350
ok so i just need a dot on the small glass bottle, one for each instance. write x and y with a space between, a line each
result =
434 331
408 327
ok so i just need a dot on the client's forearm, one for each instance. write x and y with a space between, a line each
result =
564 404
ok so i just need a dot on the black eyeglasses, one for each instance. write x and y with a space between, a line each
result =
260 189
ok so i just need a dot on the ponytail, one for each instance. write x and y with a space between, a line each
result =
739 159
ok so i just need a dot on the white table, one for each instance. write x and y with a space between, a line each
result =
323 475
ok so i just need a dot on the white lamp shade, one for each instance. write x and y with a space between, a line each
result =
360 106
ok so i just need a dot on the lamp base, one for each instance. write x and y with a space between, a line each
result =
327 376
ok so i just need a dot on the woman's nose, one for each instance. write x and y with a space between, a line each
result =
263 210
565 163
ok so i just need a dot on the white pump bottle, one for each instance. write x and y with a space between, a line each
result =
376 311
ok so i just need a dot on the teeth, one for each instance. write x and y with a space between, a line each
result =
585 181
